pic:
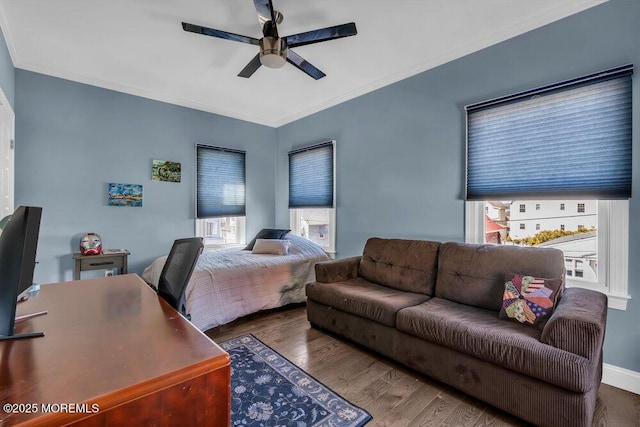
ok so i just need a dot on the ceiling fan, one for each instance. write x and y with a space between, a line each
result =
276 50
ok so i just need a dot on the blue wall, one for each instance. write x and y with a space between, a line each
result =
7 75
73 139
401 149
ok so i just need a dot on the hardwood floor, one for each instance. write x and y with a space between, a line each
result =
394 395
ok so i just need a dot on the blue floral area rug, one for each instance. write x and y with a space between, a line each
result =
268 390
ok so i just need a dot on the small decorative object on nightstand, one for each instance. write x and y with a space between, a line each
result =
91 244
107 260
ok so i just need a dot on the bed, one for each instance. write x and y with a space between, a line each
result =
230 283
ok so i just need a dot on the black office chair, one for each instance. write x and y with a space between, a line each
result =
177 271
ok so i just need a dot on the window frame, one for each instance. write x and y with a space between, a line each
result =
613 247
295 214
611 191
295 218
199 222
241 224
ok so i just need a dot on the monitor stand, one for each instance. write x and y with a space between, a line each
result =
28 334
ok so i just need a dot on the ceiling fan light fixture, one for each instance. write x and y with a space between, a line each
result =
273 52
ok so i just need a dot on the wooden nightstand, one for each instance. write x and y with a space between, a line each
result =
100 262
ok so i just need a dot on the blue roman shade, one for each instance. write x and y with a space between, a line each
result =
564 141
220 182
311 176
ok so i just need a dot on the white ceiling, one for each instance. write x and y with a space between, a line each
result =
139 47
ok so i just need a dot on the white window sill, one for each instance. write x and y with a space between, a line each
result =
330 252
616 301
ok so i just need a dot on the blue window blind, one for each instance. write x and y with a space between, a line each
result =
311 177
568 140
220 182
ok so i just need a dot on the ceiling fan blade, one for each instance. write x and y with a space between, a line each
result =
267 17
219 34
323 34
251 67
303 65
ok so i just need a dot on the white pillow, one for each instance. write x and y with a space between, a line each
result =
271 246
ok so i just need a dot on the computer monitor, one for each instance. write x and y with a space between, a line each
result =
18 245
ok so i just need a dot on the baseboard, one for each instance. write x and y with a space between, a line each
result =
621 378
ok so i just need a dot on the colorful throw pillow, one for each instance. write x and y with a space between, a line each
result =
268 233
530 300
271 247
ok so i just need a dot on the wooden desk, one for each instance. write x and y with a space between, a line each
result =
99 262
118 354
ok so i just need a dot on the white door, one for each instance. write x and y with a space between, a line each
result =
6 156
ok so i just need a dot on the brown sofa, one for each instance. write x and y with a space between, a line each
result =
435 308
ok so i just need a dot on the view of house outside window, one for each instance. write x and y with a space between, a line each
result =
221 231
313 224
570 226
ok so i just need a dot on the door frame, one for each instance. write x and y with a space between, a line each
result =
6 106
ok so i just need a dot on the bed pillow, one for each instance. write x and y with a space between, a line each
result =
530 300
268 233
271 246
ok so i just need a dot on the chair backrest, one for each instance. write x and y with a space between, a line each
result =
177 271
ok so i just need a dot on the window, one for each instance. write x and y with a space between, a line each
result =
603 251
522 226
227 230
220 195
580 207
312 194
579 273
523 208
545 128
537 227
537 206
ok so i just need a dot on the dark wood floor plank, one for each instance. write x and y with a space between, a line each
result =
466 414
436 412
401 413
394 395
492 417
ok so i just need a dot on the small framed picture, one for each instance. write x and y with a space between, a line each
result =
125 195
164 170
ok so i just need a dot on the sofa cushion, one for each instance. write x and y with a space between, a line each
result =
474 274
407 265
363 298
480 333
530 300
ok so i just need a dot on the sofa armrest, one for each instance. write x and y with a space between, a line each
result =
337 270
578 323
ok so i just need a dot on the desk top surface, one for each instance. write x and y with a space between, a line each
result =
106 341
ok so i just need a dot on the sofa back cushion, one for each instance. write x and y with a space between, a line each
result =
475 274
406 265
